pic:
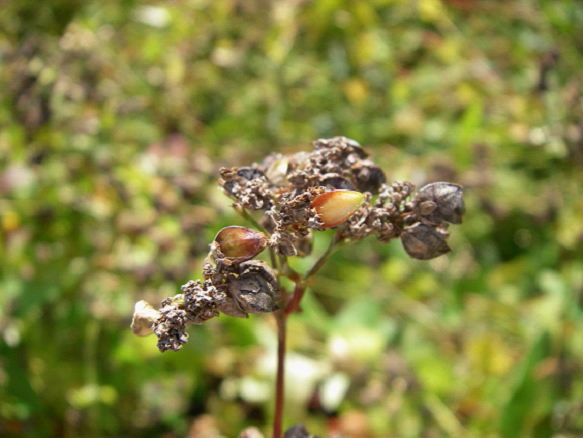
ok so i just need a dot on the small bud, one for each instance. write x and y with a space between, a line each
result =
144 317
337 206
424 242
336 182
240 243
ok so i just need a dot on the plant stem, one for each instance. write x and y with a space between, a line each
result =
281 319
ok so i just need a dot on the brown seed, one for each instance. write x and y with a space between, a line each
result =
368 176
336 181
448 199
239 243
335 207
256 289
424 242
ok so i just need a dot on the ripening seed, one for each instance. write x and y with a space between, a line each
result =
337 206
240 242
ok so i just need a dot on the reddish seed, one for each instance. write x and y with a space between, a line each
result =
337 206
240 243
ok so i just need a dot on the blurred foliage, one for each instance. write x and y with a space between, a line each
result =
115 116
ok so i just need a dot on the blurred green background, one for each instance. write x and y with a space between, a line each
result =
114 118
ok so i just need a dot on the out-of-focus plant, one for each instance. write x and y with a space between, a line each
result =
334 186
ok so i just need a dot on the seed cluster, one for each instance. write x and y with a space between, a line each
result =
235 286
336 186
286 186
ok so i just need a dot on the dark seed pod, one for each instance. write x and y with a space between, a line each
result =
232 308
337 182
424 242
256 289
368 176
448 199
239 243
250 173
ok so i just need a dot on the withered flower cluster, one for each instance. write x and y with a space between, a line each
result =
290 188
335 185
232 284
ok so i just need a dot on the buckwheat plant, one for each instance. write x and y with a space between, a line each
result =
288 198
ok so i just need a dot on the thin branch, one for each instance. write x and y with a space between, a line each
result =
323 258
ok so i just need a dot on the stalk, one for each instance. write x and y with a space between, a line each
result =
281 319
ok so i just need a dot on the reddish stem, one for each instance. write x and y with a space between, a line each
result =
281 318
294 302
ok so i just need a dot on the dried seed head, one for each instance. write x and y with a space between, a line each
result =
448 199
247 185
239 243
424 242
256 289
144 316
333 208
202 300
170 326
